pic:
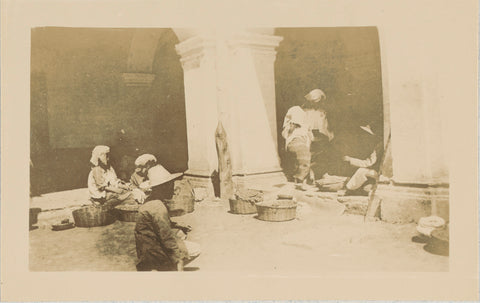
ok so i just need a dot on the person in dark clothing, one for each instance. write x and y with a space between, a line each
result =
159 244
367 169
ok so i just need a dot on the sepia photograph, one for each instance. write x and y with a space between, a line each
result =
156 147
255 148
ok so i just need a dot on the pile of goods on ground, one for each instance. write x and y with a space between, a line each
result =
244 201
330 183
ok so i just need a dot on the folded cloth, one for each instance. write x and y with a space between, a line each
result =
431 221
427 225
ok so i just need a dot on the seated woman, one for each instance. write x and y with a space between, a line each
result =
142 164
138 185
103 185
158 245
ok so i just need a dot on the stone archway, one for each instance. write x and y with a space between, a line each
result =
210 57
228 77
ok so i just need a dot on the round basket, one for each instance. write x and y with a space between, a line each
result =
91 216
180 204
276 211
127 213
244 201
242 207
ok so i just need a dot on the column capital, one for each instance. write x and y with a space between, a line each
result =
260 43
192 50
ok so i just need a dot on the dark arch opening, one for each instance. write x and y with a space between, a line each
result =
79 100
345 63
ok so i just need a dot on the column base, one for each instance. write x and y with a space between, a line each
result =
198 181
260 181
408 203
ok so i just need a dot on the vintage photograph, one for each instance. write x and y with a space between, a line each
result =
259 149
239 150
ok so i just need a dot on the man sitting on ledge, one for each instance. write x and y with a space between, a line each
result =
367 173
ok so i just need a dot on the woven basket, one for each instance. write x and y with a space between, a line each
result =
183 200
91 216
276 211
181 203
127 213
242 207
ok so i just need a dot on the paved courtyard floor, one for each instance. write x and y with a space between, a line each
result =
321 239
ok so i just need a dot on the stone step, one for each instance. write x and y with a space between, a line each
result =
354 205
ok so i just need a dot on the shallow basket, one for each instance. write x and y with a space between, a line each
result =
127 213
276 211
242 207
91 216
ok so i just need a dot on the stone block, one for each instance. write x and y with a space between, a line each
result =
354 205
406 204
398 210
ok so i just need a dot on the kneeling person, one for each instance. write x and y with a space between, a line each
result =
158 245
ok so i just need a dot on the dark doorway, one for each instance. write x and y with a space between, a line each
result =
79 100
345 63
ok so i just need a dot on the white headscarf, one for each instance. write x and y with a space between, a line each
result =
144 159
315 95
97 152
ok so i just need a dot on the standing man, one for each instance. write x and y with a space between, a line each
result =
298 138
315 109
307 138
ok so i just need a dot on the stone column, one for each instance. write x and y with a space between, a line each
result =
255 161
229 77
198 58
418 168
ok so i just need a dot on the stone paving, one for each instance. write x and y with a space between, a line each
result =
324 237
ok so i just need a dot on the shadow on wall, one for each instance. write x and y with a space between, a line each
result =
79 100
345 63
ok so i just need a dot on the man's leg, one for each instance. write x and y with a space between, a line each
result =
303 158
358 179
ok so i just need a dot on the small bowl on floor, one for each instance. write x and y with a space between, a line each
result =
63 226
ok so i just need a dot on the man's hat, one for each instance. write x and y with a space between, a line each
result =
368 129
158 175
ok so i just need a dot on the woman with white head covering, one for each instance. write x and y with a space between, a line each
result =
306 134
315 109
137 181
142 164
103 185
316 113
